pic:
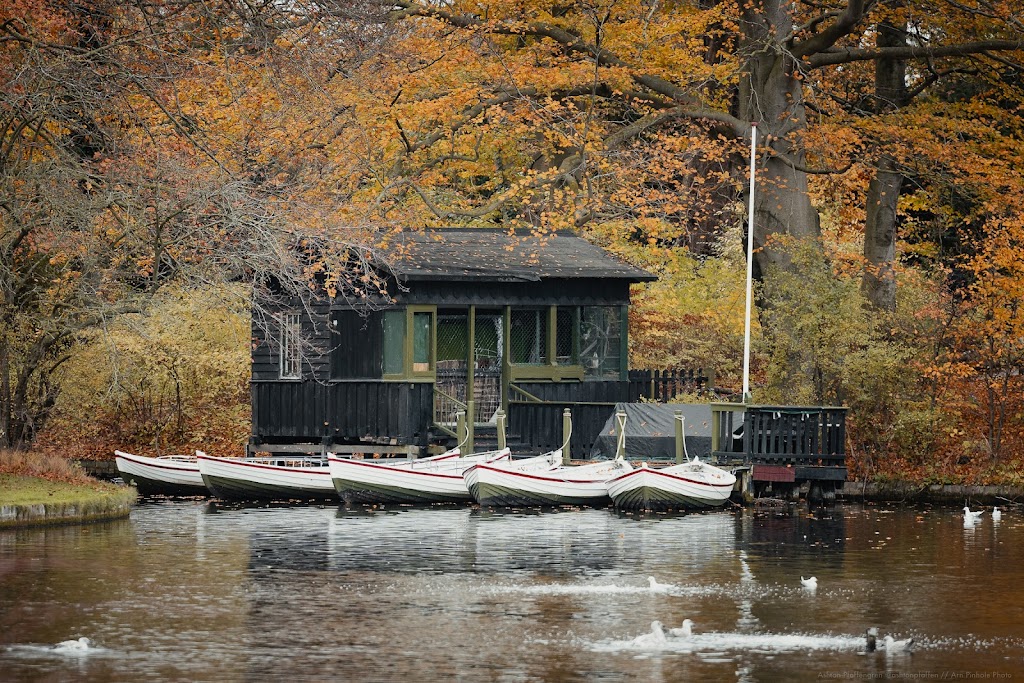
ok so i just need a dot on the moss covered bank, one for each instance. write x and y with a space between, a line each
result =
31 501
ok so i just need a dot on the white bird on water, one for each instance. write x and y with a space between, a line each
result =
892 645
971 515
997 514
655 637
810 583
655 586
73 645
684 631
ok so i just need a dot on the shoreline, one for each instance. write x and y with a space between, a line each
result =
939 494
70 503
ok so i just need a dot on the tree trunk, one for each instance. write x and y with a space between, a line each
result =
771 94
879 282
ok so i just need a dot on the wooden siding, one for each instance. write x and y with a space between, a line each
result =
316 339
357 343
345 412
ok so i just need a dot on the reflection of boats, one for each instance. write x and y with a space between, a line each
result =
692 484
167 475
502 485
407 481
537 463
272 478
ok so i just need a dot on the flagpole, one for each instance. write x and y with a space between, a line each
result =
750 265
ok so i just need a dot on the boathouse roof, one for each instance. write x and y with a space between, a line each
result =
500 255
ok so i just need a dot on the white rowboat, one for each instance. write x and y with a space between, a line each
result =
538 463
272 478
690 485
407 481
167 475
501 485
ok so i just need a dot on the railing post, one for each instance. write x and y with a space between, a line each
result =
678 420
500 419
566 436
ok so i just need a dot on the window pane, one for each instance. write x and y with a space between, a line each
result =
600 341
563 336
290 367
528 336
421 342
394 342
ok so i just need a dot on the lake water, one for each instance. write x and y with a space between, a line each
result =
198 591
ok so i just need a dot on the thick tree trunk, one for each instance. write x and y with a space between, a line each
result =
879 282
771 94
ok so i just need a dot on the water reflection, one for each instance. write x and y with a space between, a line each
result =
197 591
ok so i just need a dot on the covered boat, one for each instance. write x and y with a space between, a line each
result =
406 481
499 484
689 485
271 478
167 475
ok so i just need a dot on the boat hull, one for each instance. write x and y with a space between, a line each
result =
368 483
498 486
663 490
237 479
161 476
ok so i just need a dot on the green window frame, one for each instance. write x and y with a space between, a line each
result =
410 343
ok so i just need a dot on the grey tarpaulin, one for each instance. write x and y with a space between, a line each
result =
651 434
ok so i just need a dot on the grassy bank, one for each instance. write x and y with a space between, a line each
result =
39 489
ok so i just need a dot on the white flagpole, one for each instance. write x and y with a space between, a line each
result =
750 265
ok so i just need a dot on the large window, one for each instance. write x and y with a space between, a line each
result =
409 342
529 336
291 355
565 335
601 341
394 342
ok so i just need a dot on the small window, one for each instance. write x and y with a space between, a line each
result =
601 341
394 342
529 336
422 339
291 357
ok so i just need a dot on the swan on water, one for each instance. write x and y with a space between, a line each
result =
79 644
655 637
996 513
810 583
684 631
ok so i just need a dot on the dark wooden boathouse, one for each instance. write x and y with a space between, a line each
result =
475 320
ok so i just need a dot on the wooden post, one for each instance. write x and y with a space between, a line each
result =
460 427
620 429
680 446
566 436
470 424
500 419
471 380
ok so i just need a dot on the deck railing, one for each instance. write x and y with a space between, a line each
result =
664 385
814 435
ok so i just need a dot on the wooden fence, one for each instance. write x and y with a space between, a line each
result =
664 385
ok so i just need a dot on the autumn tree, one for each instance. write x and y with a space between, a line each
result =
570 114
143 145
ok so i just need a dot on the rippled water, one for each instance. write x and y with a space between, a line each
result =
194 591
